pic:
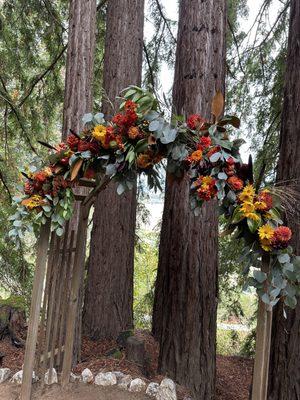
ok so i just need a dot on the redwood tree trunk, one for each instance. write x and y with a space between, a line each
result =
284 374
109 292
185 306
78 98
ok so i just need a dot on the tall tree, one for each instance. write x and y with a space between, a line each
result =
110 275
78 98
284 373
185 306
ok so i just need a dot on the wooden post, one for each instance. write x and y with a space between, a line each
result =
263 342
37 293
79 259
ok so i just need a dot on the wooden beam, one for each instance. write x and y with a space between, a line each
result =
263 342
37 293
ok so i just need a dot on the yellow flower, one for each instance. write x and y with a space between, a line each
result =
47 171
253 216
33 202
247 207
266 232
265 244
99 133
268 215
207 180
260 205
247 193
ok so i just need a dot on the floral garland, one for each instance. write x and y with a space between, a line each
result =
134 142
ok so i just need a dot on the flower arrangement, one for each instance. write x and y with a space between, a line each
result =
134 142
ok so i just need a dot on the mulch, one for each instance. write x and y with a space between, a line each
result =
234 374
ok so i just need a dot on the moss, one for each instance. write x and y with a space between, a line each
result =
16 302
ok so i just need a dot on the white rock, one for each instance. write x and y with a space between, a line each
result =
124 382
87 376
74 378
5 373
152 389
53 379
119 375
137 385
187 398
105 379
166 390
18 376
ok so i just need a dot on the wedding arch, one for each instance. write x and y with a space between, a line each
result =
135 142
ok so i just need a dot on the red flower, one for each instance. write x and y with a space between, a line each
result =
89 173
83 146
130 105
266 198
94 147
282 236
119 119
195 121
230 161
235 183
61 146
40 177
28 188
73 141
205 141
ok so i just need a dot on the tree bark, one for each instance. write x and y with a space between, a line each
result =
109 292
284 373
185 305
78 98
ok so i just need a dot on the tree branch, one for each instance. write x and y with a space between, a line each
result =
166 20
39 77
149 65
101 4
5 185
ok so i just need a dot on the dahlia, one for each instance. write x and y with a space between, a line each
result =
83 146
235 183
266 198
73 141
196 156
28 188
205 141
195 121
130 105
281 238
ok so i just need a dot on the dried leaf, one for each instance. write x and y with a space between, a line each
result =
217 105
76 169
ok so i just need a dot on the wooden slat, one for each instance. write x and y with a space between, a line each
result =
263 342
37 293
79 260
51 302
42 329
57 311
65 299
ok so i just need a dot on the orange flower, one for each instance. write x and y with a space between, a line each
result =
144 161
235 183
133 132
196 156
282 236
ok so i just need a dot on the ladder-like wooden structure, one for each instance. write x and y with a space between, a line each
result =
55 295
56 288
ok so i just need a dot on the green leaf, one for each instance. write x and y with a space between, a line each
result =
290 301
215 157
253 225
283 258
237 216
259 276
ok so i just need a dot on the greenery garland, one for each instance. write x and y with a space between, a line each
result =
134 142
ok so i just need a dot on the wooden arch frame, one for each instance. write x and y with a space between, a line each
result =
54 306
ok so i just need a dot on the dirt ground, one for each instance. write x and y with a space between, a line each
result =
233 373
74 392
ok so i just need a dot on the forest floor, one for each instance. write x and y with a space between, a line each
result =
233 373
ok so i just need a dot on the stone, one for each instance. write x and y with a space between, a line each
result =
119 375
5 373
135 351
105 379
187 398
18 376
87 376
166 390
152 389
124 382
53 379
137 385
74 378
